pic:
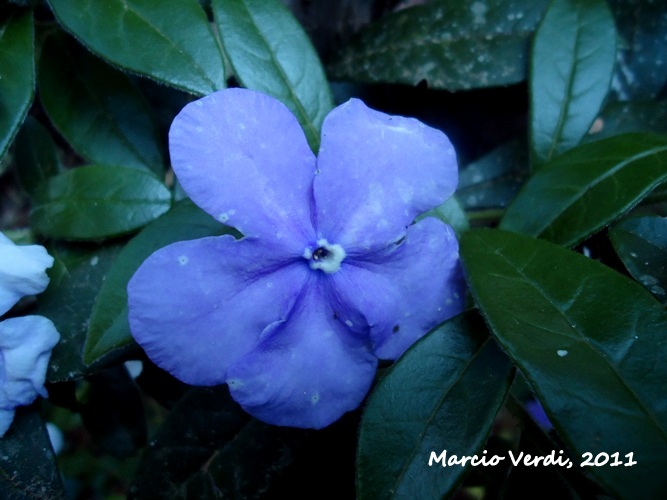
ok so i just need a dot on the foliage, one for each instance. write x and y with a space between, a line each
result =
556 109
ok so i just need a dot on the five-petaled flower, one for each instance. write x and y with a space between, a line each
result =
330 275
25 342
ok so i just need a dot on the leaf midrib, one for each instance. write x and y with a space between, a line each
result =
305 119
432 416
579 335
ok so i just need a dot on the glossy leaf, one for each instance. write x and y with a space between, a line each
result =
35 155
27 463
169 41
17 71
641 69
581 191
76 277
94 202
109 329
591 343
444 393
271 53
449 45
572 64
96 108
641 243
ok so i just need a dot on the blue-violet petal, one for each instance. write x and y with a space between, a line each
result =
243 158
406 289
309 370
376 173
198 306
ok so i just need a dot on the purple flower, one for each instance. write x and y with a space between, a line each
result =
330 274
25 342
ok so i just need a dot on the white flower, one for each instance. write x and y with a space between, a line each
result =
25 342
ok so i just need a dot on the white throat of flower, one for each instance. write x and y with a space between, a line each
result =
326 257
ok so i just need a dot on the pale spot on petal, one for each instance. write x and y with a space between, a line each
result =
224 217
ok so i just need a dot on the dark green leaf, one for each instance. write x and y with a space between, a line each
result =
641 243
572 64
641 71
96 108
113 413
17 71
560 482
444 393
270 52
109 329
94 202
590 341
35 155
493 180
581 191
27 464
170 40
450 45
76 277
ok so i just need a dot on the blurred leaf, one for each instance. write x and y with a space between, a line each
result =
94 202
271 53
444 393
113 412
450 212
493 180
621 117
571 68
581 191
641 70
209 445
17 71
170 40
641 243
247 466
35 155
203 421
590 341
450 45
96 108
27 464
76 278
109 328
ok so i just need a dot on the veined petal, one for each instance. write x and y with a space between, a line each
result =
25 347
198 306
376 173
22 271
243 158
405 290
309 370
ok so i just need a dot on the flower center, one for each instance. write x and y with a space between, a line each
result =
326 257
